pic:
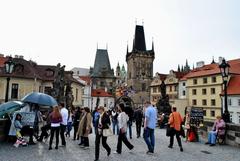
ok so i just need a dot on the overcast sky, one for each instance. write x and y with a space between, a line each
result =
67 31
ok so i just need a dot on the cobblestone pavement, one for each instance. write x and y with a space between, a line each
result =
192 151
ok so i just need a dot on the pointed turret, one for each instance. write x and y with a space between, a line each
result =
139 39
213 62
179 70
152 46
102 64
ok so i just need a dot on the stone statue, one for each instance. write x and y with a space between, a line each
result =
68 94
163 89
58 84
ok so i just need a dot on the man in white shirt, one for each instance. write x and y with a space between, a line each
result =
63 125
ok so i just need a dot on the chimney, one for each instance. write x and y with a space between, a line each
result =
21 56
220 60
16 56
200 64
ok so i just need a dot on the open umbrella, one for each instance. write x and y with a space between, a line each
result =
9 107
40 98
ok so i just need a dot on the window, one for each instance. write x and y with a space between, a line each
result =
231 116
214 80
230 102
14 94
194 91
204 80
213 91
213 102
102 84
204 91
238 117
184 84
154 89
76 99
47 90
143 86
170 88
194 81
204 113
204 102
212 113
183 92
194 102
238 102
175 88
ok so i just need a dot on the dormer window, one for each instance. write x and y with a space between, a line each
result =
49 72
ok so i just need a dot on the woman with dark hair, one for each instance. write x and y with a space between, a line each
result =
85 127
122 120
103 122
55 119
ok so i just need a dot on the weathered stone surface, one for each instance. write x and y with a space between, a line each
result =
193 151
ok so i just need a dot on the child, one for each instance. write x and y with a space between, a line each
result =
18 126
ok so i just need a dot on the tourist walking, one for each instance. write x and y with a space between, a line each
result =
122 121
103 123
76 120
175 121
55 119
115 127
138 116
63 125
85 127
69 123
95 117
150 120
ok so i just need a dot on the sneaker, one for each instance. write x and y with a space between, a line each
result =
212 145
16 145
115 152
149 152
181 149
56 147
207 143
169 146
50 148
86 147
82 146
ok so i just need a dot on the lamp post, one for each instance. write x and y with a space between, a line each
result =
224 68
9 65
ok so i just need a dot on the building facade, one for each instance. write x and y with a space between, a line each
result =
29 77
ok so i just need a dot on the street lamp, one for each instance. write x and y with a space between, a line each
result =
224 68
9 66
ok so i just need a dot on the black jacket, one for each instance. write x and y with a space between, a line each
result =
105 121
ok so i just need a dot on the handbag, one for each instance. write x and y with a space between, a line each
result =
169 130
107 132
182 132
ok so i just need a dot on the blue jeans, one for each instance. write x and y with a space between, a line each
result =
149 138
115 126
212 137
129 123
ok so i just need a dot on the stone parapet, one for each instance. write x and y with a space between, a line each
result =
232 136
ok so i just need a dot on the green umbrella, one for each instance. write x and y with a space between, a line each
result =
9 107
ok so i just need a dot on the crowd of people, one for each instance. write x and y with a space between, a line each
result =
60 120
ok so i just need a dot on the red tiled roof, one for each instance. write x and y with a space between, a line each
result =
212 69
2 61
234 85
100 93
86 79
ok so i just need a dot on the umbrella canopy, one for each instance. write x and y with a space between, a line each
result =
40 98
9 107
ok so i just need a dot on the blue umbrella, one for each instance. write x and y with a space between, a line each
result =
9 107
40 98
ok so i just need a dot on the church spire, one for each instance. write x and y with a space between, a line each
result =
179 70
139 39
213 62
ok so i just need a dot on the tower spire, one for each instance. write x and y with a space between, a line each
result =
152 44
